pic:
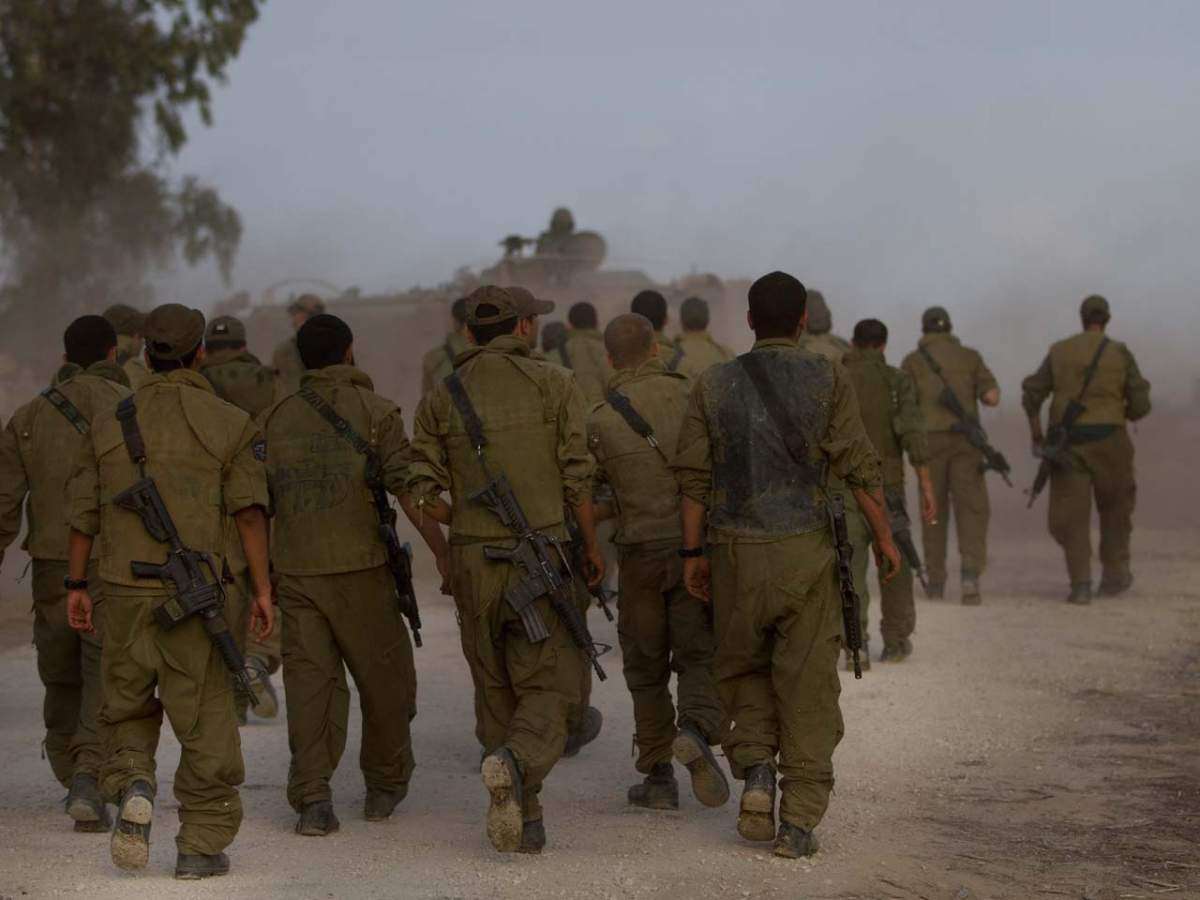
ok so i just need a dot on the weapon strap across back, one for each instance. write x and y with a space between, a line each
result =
754 365
466 409
933 364
634 420
343 428
69 410
1090 372
134 443
676 359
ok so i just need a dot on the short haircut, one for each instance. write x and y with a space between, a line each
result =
323 341
653 306
167 365
777 303
693 314
485 334
583 315
458 311
629 340
88 340
870 333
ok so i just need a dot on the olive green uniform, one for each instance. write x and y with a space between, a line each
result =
205 456
439 362
830 346
891 415
955 467
129 358
535 423
777 613
697 352
288 365
584 354
37 453
1099 460
661 627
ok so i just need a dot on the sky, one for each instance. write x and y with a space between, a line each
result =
1003 160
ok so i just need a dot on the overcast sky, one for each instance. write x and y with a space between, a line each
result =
894 154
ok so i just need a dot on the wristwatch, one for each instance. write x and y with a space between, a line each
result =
73 584
693 553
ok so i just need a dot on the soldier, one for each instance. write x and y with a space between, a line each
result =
439 362
239 378
37 451
818 336
286 358
554 335
661 628
954 464
532 417
696 349
128 323
583 352
767 562
891 415
336 593
653 306
1102 376
193 446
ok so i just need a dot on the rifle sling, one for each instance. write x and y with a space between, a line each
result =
676 359
634 420
69 410
471 421
1090 372
343 428
754 365
134 443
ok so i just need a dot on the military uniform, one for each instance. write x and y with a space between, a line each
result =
697 352
130 359
439 362
774 580
38 449
1099 460
336 594
288 365
955 467
584 354
818 336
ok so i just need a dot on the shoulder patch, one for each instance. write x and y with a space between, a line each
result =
259 449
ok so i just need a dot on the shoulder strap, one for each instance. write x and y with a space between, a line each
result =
458 393
675 360
68 409
754 365
343 428
134 443
634 420
1090 372
933 363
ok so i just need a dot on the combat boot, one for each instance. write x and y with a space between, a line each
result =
86 807
1081 593
708 781
896 651
317 819
194 866
380 804
533 837
756 818
659 790
1111 587
130 845
970 590
585 732
266 701
506 789
793 842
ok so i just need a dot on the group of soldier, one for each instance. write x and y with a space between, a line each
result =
725 480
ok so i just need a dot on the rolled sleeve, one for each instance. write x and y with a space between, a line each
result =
852 457
575 463
395 454
1036 388
244 481
429 467
83 492
1137 389
693 458
909 422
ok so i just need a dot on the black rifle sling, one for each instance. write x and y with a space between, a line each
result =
1090 372
634 420
471 422
676 359
933 364
343 428
127 416
754 365
564 356
69 410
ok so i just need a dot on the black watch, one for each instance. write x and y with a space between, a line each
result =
75 584
693 553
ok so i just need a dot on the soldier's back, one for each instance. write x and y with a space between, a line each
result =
585 355
962 368
239 378
1106 399
698 352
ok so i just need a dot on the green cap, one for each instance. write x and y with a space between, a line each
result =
1094 307
820 319
225 330
173 331
125 319
935 319
308 303
510 303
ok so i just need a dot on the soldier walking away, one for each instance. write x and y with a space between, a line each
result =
166 645
554 335
37 452
891 415
239 378
661 627
1095 387
439 362
696 349
506 436
759 436
128 323
653 306
818 336
583 352
941 362
286 359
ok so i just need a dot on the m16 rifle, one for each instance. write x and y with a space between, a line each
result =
851 604
399 556
968 425
902 533
600 593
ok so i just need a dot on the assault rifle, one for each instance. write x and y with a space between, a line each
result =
399 556
601 594
850 600
901 527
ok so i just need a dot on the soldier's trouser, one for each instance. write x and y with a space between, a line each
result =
332 623
778 628
958 483
69 667
1103 468
663 629
897 608
523 690
194 690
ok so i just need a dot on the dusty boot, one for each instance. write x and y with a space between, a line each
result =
970 590
317 819
585 732
502 778
130 845
896 651
533 837
380 804
1117 584
935 591
194 866
659 790
708 781
86 807
756 818
266 701
793 842
1081 593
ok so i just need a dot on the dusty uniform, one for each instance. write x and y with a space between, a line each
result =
439 362
205 457
584 354
288 365
37 453
776 607
891 415
534 420
697 352
1100 458
661 627
955 467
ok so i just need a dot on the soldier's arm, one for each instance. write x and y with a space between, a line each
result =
246 497
429 472
13 487
575 466
1034 391
1137 389
987 389
692 463
396 458
909 426
603 502
83 504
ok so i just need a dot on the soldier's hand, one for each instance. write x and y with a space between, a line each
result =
887 558
443 568
79 611
593 564
262 617
929 510
697 577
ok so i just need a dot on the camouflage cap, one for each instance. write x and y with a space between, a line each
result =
225 329
820 319
510 303
125 319
935 319
173 331
307 303
1094 307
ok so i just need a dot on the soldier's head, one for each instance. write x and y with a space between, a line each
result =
935 320
693 314
304 308
653 306
494 312
554 335
1094 312
89 340
870 334
778 306
583 316
325 340
458 315
225 333
629 340
174 337
125 320
820 319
